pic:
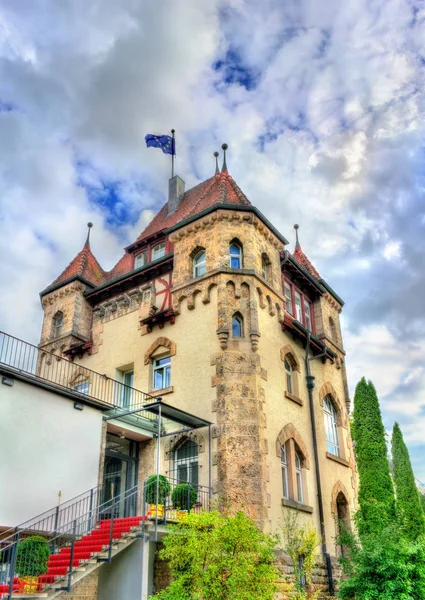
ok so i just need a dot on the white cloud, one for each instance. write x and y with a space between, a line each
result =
329 135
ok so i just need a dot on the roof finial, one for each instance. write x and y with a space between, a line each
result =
217 170
297 241
89 225
224 167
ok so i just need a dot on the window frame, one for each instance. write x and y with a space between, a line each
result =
200 264
165 367
298 477
127 388
284 467
161 245
85 384
289 371
188 461
307 314
238 318
331 427
57 328
305 301
236 255
141 255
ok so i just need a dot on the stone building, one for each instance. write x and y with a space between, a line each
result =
208 310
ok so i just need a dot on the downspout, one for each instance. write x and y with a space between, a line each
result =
310 387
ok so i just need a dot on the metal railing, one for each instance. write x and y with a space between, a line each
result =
62 373
91 534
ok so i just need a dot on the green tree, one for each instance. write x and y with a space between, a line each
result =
219 557
422 500
408 502
376 492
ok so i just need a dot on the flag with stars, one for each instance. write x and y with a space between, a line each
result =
165 142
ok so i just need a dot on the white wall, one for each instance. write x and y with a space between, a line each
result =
45 446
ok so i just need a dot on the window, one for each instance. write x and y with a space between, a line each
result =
235 256
200 264
161 373
186 463
298 309
158 251
288 298
127 392
331 426
285 473
332 328
265 267
293 477
307 313
299 478
82 387
140 260
289 376
57 324
237 326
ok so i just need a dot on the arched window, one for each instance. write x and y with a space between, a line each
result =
200 263
235 250
57 324
289 376
293 466
332 329
331 426
237 325
265 267
186 463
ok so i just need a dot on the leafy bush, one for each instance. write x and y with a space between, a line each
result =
385 565
163 489
217 557
32 556
301 545
184 496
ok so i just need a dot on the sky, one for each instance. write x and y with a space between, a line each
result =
322 105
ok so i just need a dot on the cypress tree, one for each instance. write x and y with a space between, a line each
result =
407 494
376 492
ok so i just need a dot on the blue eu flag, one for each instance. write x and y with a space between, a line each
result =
165 142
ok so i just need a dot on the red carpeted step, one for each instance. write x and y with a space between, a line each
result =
4 588
46 579
63 563
57 571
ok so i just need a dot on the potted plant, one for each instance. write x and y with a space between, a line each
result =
31 562
156 507
184 497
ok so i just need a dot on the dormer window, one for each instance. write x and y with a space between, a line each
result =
307 314
140 260
158 251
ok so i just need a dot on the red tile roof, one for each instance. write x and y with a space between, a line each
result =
86 266
219 189
300 257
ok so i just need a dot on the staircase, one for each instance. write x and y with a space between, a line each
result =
81 540
75 560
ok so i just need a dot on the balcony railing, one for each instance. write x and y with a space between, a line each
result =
84 383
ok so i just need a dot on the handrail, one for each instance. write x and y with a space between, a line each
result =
67 534
80 380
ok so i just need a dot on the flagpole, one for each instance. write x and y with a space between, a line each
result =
173 131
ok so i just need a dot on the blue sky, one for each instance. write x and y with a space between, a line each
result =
322 106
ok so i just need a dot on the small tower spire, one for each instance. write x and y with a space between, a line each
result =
89 225
217 170
297 241
224 167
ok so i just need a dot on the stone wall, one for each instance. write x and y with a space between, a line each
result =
161 572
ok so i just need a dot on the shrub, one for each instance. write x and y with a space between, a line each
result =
163 489
32 556
218 557
184 496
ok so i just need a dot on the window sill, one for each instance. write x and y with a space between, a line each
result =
156 393
294 398
297 505
337 459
